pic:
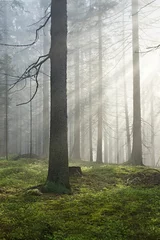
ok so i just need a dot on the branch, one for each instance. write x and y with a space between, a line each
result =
40 19
143 7
27 74
32 43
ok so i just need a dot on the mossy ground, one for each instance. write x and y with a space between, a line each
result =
108 203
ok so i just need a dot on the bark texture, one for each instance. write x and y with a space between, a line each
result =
58 172
136 157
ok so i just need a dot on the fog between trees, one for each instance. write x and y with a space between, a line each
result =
105 40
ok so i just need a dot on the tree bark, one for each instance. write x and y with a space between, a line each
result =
31 123
6 81
152 127
45 97
136 157
76 146
117 124
99 139
58 171
128 154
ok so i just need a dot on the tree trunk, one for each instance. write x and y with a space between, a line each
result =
6 81
152 127
136 157
128 154
105 147
45 95
58 171
76 146
90 108
99 139
31 123
110 148
117 124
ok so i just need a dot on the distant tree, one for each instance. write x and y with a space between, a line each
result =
136 156
44 5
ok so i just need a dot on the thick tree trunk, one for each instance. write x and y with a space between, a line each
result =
58 171
136 157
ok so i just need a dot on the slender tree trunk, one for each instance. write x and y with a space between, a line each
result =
136 157
110 148
76 147
6 80
90 99
45 94
99 139
58 171
82 103
152 126
125 95
105 147
90 107
20 131
117 124
31 122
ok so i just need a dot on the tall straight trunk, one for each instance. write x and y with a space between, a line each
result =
136 157
31 122
125 95
90 106
110 148
90 98
76 147
99 139
6 106
58 171
152 126
40 133
105 147
20 131
117 125
6 80
127 121
45 94
82 104
70 144
36 126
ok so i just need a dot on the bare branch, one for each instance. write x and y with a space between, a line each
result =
32 43
143 7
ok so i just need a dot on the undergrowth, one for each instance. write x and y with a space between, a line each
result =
108 203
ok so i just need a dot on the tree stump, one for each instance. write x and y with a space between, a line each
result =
75 171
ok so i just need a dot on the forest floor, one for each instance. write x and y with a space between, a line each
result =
109 202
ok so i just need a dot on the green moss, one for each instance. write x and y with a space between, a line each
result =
52 187
103 206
